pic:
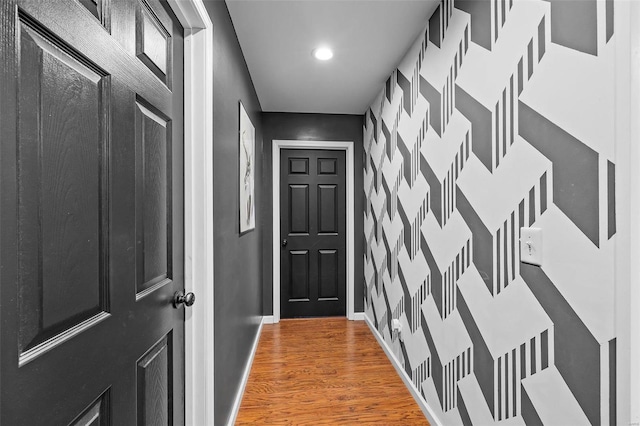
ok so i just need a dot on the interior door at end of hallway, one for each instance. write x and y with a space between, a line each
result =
313 233
91 213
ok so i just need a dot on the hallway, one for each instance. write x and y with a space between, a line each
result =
324 371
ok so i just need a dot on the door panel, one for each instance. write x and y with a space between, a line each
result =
299 274
299 209
154 375
327 166
97 414
153 189
91 218
313 230
328 209
154 30
62 235
298 166
99 9
328 275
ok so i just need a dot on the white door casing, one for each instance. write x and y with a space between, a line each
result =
275 171
198 192
627 249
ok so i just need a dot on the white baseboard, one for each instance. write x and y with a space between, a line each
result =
267 319
245 377
426 410
359 316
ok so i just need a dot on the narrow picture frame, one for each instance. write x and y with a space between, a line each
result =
246 170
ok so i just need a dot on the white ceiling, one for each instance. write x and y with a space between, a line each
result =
368 37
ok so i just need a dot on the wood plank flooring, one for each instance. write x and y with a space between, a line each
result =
324 371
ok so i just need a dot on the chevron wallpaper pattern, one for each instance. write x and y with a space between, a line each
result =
499 116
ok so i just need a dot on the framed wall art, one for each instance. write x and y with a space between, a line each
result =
247 144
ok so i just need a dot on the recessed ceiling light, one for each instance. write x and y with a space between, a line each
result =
322 53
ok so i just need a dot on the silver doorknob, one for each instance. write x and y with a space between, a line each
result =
284 243
179 298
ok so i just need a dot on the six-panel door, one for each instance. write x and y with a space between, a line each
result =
313 233
91 226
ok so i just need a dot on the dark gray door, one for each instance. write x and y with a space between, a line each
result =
91 213
313 226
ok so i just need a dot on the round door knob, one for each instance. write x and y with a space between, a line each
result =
284 243
180 298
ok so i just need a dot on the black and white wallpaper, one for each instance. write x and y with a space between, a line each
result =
500 116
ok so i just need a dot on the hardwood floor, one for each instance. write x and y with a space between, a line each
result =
326 371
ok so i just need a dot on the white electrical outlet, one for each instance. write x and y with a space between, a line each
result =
396 325
531 246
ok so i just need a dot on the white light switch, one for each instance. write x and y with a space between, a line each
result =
531 246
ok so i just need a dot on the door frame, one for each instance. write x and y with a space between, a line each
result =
627 248
198 208
348 147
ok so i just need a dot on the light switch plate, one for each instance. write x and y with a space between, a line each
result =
531 246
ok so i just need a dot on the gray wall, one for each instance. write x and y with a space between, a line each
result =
319 127
237 259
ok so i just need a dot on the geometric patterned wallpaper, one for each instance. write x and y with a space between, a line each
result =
501 115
